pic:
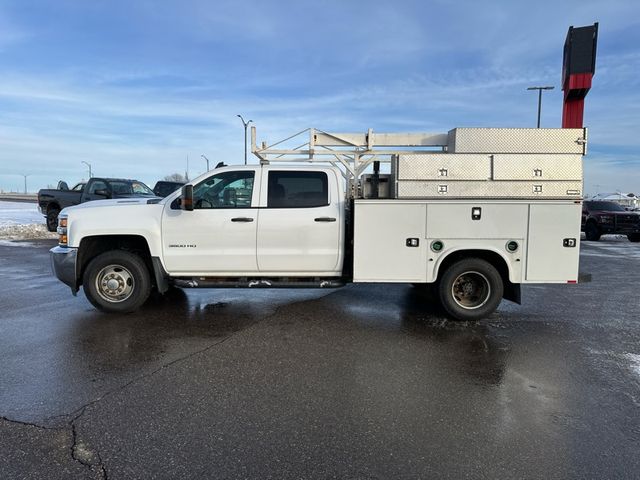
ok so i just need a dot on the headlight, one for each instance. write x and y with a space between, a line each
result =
606 218
63 239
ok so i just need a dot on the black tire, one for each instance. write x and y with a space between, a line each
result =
592 232
634 237
117 281
470 289
52 219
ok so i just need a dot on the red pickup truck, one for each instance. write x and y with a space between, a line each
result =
602 218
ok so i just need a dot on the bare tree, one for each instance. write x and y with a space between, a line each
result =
175 177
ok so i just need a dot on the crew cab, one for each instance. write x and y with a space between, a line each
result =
50 201
602 218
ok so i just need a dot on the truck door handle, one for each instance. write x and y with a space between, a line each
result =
242 219
324 219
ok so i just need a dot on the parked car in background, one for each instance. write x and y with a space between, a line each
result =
164 187
602 218
51 201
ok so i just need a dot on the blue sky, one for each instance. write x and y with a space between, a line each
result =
134 87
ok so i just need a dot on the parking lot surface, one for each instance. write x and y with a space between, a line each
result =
368 381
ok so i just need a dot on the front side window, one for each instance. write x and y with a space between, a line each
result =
289 189
225 190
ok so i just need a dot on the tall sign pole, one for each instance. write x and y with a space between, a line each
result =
578 69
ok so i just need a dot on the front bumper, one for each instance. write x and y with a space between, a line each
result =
63 264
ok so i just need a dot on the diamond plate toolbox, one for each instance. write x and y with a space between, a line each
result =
448 166
489 189
518 140
537 167
466 175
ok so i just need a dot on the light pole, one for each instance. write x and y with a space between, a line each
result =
25 182
540 89
203 156
246 124
88 165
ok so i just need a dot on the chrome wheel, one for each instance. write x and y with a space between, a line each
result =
471 290
114 283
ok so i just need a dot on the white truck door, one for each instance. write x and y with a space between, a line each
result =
300 228
219 236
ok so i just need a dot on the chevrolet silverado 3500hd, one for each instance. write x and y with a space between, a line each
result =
493 209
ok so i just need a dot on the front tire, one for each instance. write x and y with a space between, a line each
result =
117 281
634 237
470 289
52 219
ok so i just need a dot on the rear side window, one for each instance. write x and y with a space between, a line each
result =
289 189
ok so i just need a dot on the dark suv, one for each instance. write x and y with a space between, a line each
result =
601 218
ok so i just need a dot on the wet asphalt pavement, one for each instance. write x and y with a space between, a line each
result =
368 381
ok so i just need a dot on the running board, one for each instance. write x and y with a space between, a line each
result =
245 282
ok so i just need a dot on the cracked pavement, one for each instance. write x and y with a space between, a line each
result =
368 381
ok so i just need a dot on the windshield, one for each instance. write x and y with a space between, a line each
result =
130 188
605 206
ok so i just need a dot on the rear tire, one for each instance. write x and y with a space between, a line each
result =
470 289
117 281
592 232
52 219
634 237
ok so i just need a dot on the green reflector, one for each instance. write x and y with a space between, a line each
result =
437 245
512 246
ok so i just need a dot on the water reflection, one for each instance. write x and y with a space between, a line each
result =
167 322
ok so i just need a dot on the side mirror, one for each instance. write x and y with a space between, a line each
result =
62 185
186 198
103 192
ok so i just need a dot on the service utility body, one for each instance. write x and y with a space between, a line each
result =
473 225
471 214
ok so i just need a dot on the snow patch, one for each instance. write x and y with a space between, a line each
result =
21 221
19 213
25 232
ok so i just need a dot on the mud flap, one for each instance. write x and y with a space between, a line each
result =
512 292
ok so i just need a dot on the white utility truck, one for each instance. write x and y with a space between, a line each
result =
473 213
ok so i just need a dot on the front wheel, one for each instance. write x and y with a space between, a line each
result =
470 289
634 237
117 282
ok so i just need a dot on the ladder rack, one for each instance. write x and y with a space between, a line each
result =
354 151
468 162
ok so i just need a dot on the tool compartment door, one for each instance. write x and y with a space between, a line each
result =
552 229
381 232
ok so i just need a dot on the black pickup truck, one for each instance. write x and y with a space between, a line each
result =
601 218
50 202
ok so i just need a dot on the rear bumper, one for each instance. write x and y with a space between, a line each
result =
63 264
